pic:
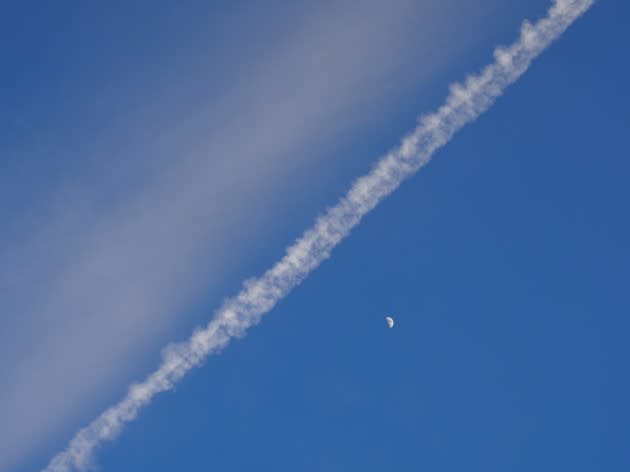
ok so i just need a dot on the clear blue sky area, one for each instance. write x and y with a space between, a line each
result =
506 264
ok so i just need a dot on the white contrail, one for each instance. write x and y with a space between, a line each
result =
465 102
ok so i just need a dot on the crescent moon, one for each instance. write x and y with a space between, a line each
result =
390 321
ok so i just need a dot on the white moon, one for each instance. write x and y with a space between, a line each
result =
390 321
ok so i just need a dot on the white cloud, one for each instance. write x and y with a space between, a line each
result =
464 104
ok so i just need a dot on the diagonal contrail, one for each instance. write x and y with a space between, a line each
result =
465 102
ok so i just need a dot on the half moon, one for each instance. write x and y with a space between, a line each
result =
390 321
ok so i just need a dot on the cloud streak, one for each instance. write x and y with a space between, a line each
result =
465 102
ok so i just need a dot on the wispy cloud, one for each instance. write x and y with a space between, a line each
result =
465 102
140 216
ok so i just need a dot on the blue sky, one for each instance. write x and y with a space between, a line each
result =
207 139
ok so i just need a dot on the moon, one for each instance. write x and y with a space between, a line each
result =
390 321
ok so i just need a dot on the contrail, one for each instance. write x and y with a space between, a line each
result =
465 102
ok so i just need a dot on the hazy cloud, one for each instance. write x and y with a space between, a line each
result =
132 205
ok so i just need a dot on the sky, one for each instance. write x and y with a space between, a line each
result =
153 158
